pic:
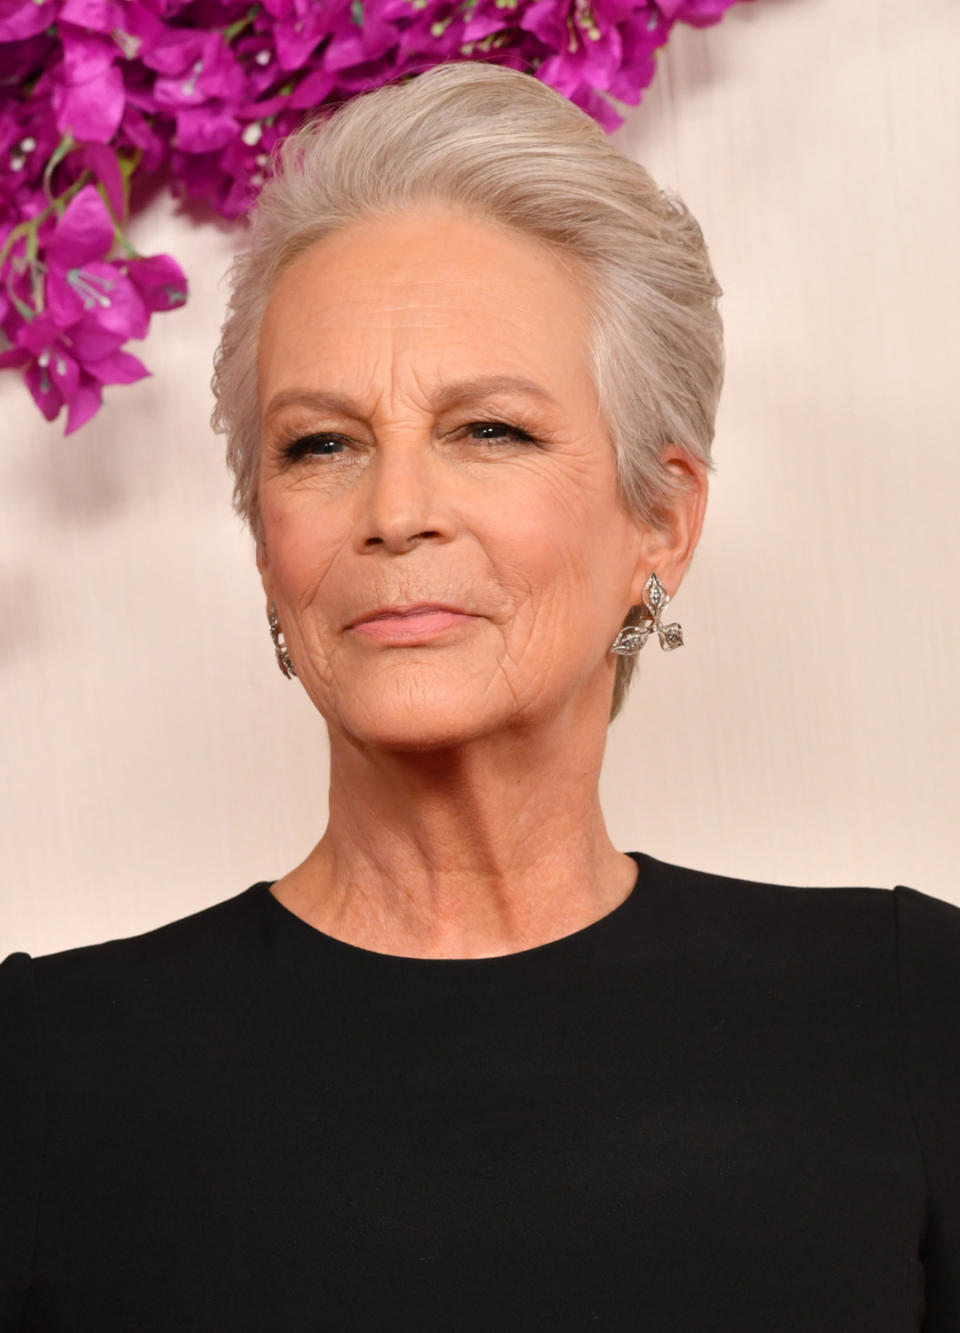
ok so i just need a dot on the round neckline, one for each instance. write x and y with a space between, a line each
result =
596 933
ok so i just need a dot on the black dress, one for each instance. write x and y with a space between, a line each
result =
724 1106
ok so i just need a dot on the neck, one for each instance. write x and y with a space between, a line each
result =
485 848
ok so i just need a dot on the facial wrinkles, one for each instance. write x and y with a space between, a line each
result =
528 528
381 288
527 612
405 433
527 605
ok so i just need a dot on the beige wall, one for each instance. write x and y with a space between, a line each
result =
156 761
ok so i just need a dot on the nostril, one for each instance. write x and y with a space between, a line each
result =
409 541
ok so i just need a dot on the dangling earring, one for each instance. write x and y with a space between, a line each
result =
632 637
283 657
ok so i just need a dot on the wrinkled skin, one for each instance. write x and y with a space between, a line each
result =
447 756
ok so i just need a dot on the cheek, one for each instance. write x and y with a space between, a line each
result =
301 548
564 539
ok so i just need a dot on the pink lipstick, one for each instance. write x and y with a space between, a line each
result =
410 624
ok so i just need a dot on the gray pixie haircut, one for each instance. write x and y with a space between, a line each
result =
495 144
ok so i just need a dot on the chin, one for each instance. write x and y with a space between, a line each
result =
406 721
414 732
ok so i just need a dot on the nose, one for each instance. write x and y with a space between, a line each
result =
403 499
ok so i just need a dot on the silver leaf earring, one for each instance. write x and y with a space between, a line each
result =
283 657
632 637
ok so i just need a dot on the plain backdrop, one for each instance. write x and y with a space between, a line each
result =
154 759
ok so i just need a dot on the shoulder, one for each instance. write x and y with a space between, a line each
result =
768 910
79 1027
928 970
22 1130
914 935
78 1018
927 923
187 941
893 953
127 980
710 889
881 969
907 939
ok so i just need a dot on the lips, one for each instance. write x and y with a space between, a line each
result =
402 612
407 625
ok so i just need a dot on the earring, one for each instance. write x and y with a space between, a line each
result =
283 657
632 637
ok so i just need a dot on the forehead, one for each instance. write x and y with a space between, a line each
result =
426 293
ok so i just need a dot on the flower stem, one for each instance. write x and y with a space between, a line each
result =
29 228
240 25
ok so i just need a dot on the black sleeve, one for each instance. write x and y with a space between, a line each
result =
928 949
22 1117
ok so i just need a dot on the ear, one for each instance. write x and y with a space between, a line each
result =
668 550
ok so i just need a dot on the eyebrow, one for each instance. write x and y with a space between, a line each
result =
449 395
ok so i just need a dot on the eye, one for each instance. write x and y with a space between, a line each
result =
513 432
321 444
316 445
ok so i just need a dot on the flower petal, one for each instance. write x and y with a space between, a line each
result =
64 372
63 303
175 52
90 111
137 130
95 15
84 232
102 161
84 403
119 367
104 328
202 129
160 281
85 54
38 334
18 22
46 395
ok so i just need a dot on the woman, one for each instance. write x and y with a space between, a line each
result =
468 1066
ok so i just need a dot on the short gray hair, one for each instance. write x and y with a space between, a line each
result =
498 144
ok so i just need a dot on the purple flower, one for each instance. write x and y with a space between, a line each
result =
161 48
20 19
52 374
204 97
83 292
22 61
94 15
73 344
88 93
297 36
419 39
28 136
140 132
56 375
159 279
698 13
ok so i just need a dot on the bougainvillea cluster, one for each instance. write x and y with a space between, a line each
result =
94 92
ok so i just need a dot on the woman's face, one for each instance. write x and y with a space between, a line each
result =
379 487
